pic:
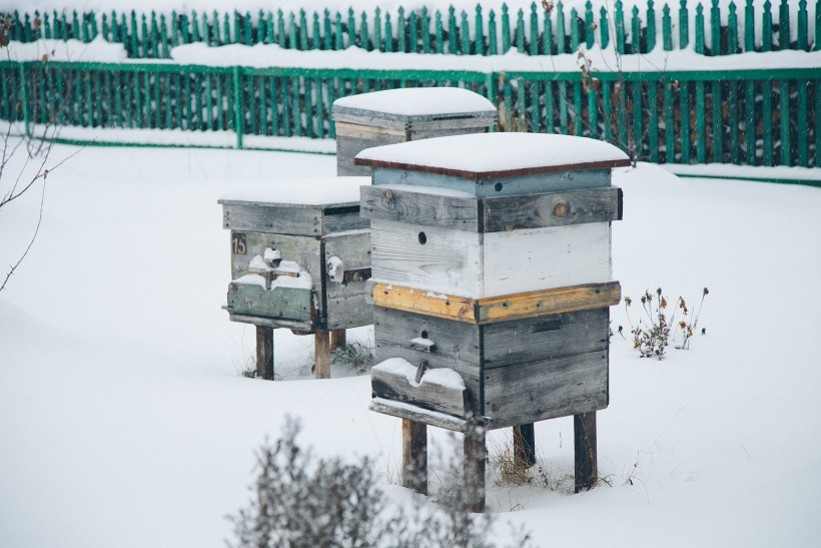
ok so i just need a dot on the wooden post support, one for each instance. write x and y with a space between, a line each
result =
415 456
475 468
322 355
584 443
265 352
524 446
338 338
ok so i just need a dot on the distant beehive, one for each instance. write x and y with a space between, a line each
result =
491 264
299 264
407 114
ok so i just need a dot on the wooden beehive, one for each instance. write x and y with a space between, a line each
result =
299 263
491 257
399 115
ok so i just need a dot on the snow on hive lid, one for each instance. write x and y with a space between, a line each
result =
482 156
417 103
310 192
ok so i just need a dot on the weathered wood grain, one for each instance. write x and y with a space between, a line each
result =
346 312
505 308
435 397
546 389
475 456
252 217
419 208
585 451
494 214
534 259
513 343
298 327
428 257
558 300
418 414
551 209
265 352
304 250
280 303
415 456
322 354
353 249
500 185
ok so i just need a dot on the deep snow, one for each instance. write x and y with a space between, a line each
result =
124 421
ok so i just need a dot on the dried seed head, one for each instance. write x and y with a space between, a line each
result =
628 301
706 291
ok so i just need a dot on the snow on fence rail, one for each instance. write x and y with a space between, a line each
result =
752 117
537 31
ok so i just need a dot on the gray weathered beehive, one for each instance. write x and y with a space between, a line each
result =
408 114
491 265
299 263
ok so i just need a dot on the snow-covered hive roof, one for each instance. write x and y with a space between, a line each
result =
482 156
307 192
417 103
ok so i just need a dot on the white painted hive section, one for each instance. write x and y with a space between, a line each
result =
492 264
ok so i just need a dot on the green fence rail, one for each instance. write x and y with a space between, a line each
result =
752 117
536 31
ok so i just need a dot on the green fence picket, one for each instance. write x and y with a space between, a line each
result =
801 134
684 107
669 124
716 105
732 120
684 25
784 119
749 122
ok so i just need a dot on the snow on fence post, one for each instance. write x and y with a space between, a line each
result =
492 287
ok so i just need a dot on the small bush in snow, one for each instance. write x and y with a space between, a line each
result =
302 501
654 330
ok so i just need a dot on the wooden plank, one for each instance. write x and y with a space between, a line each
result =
546 389
285 303
265 352
550 301
524 446
492 214
418 414
351 132
457 346
304 250
496 185
272 219
433 257
415 456
534 259
585 451
532 304
350 123
301 328
396 386
420 208
551 209
346 312
512 343
339 338
343 219
475 456
322 354
419 133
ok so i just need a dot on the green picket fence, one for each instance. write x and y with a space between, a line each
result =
536 31
758 117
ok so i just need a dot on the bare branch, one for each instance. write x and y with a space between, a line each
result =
33 237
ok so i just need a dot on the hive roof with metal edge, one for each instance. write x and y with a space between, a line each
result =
485 156
410 104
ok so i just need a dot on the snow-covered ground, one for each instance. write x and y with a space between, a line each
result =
124 420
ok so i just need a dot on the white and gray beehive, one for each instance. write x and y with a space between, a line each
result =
299 263
491 259
407 114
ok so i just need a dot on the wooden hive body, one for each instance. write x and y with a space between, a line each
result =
399 115
324 243
502 275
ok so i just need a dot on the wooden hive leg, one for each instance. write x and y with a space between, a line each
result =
265 352
338 338
524 446
322 355
584 443
475 468
415 456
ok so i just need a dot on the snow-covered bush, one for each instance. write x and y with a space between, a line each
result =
301 501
